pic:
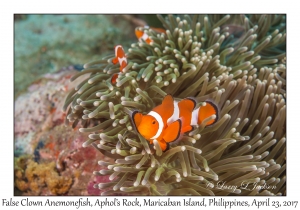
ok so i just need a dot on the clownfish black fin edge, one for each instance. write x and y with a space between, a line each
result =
168 147
216 109
193 100
193 128
179 130
132 120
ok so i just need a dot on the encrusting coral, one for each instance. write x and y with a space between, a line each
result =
238 61
33 177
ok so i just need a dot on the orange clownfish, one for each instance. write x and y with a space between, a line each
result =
169 120
141 35
121 58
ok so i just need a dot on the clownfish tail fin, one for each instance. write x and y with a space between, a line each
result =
214 105
208 110
113 79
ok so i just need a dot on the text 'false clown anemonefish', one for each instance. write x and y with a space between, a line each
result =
121 58
142 35
169 120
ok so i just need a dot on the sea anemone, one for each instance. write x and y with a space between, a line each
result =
239 62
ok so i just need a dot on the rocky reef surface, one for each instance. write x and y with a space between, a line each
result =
49 50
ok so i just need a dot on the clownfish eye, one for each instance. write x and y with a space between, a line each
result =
153 122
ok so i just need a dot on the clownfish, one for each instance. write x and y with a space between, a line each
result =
169 120
141 35
120 58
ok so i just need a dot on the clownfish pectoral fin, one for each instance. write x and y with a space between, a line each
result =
115 60
173 131
136 118
208 110
163 145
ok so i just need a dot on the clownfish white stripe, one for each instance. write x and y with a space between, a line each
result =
175 115
194 118
122 59
168 121
116 49
144 37
160 123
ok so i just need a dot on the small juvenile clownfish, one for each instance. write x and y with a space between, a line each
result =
141 35
121 58
168 121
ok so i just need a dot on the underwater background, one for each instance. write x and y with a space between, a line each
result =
48 50
239 61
